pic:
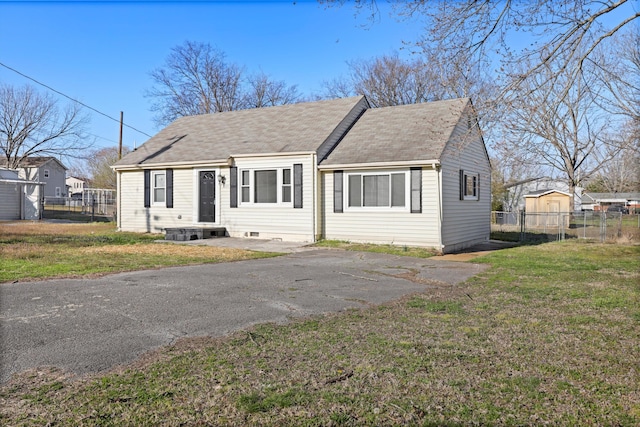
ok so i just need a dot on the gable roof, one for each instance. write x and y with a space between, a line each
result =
418 131
35 162
540 193
291 128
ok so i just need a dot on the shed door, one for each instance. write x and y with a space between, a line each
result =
553 210
207 197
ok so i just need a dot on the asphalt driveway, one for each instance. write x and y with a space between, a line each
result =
90 325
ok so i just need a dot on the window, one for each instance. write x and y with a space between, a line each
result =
469 186
46 173
245 186
158 180
377 190
266 186
286 185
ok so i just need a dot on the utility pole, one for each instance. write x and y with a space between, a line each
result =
120 142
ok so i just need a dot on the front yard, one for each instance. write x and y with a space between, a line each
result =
38 250
548 335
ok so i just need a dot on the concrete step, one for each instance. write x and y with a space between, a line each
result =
183 234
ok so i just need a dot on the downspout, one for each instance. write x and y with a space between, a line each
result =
438 170
314 184
118 200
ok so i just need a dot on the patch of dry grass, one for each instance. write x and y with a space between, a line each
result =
548 335
30 251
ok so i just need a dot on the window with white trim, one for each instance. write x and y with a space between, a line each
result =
266 186
245 185
377 190
46 173
286 185
469 185
158 187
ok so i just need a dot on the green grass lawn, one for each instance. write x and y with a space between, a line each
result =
34 250
548 335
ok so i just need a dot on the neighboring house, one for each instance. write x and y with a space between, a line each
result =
47 170
518 191
19 198
547 207
602 201
75 186
406 175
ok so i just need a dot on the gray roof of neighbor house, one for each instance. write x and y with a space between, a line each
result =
418 132
302 127
34 162
611 196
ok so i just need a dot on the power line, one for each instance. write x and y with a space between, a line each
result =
72 99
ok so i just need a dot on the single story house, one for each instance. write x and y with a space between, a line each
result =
414 175
19 198
602 201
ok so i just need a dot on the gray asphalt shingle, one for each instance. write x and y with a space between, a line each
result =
400 133
213 137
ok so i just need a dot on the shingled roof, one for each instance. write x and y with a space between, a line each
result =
302 127
400 133
33 162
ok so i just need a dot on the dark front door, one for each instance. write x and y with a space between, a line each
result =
207 197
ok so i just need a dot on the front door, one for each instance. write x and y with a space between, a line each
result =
207 197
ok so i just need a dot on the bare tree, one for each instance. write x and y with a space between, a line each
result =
31 124
618 69
566 133
387 80
622 172
98 167
262 91
195 79
564 33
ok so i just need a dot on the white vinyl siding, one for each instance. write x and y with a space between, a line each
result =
466 222
383 225
133 216
272 220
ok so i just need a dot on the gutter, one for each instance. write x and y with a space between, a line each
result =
380 165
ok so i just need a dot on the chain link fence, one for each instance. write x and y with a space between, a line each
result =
553 226
91 203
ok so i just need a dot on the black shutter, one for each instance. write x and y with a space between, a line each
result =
337 192
478 187
233 186
147 188
416 190
461 184
297 185
169 191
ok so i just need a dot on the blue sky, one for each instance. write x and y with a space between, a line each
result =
101 53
